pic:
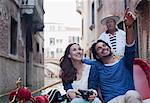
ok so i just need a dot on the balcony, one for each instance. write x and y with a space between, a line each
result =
35 8
27 6
38 16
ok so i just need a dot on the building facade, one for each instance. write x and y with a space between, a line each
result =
92 12
57 37
22 45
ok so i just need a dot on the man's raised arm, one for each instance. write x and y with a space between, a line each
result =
128 20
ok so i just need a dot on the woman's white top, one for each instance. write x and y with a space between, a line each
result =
83 82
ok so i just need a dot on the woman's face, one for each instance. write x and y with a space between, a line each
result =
76 53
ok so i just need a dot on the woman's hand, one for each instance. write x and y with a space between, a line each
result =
72 93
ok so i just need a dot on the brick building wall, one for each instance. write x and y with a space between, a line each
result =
13 62
4 27
11 65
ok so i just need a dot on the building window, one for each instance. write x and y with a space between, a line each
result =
52 28
93 14
37 47
120 25
70 39
93 17
59 28
58 40
82 29
73 39
52 41
52 54
13 36
78 39
59 50
42 50
61 40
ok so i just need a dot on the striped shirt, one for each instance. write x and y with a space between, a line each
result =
112 39
116 42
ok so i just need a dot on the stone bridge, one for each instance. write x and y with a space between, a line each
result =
52 60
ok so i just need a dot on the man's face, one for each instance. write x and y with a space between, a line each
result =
102 50
111 24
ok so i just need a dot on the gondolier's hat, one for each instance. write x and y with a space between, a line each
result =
104 20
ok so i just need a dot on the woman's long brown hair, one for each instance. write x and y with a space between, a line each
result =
68 72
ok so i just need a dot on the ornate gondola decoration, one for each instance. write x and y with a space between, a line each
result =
23 95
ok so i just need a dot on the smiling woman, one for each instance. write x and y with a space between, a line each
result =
76 75
71 62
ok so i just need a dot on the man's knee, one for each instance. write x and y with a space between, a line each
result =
132 95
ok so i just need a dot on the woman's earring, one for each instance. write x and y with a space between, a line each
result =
69 56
